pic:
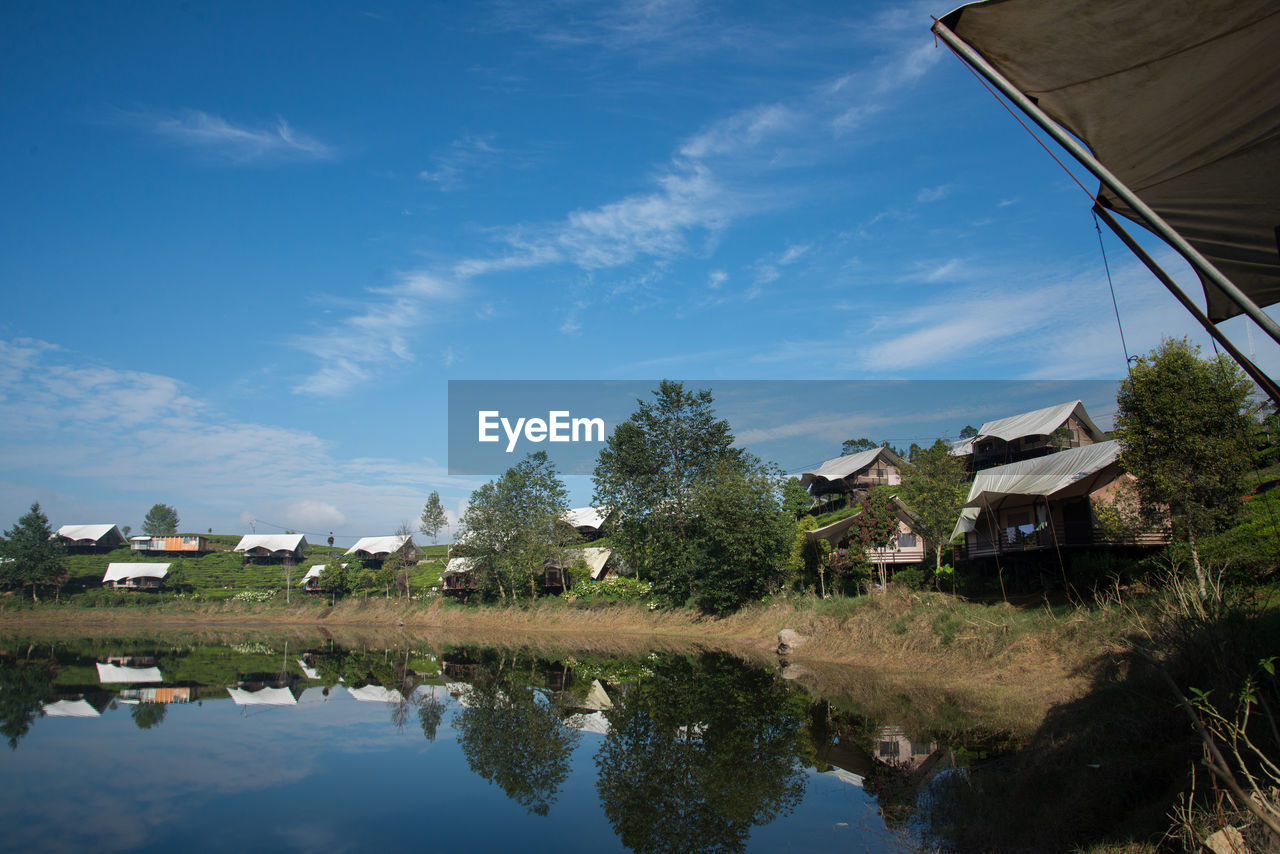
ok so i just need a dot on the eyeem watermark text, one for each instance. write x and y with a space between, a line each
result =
558 426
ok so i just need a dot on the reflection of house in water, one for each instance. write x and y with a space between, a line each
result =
173 694
266 689
375 694
87 705
894 748
128 671
263 695
588 713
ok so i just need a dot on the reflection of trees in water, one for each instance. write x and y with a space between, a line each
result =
430 715
147 715
513 736
699 754
25 686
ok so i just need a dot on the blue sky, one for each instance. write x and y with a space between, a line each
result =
245 247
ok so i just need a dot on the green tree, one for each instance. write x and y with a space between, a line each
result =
740 538
160 520
1185 426
876 527
32 555
510 527
935 488
968 432
649 471
433 517
855 446
796 500
335 579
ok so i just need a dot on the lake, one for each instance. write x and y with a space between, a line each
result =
262 744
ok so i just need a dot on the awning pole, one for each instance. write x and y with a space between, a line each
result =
1255 373
1103 174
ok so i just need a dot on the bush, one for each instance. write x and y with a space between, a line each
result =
612 590
912 578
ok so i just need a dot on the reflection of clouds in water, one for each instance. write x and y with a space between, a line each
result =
124 783
314 837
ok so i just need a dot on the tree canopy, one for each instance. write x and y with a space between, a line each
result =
433 517
1185 426
511 526
935 488
33 556
700 519
161 520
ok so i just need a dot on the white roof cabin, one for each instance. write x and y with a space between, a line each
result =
263 697
375 694
589 518
101 536
381 548
1024 436
126 572
114 674
272 545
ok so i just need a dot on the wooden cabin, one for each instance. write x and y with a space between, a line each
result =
852 475
186 543
1047 503
1029 436
378 549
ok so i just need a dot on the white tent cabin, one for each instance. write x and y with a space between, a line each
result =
1030 435
272 547
115 674
1175 108
378 549
459 576
587 521
90 537
1046 503
311 581
135 576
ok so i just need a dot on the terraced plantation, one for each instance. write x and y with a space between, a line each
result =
220 573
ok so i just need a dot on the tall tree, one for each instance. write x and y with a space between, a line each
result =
740 538
649 469
935 488
1185 426
433 517
796 500
33 556
161 520
510 527
877 527
854 446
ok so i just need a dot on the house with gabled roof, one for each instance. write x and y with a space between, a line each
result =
908 545
135 576
90 537
378 549
1029 435
272 546
854 474
1047 503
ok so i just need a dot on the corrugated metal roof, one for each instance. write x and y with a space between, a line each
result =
1041 422
1043 476
842 467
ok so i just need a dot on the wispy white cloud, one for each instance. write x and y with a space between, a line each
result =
464 158
378 332
933 194
217 136
132 432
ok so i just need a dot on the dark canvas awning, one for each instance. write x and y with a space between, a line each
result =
1180 99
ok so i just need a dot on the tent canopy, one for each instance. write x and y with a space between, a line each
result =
1180 100
123 571
842 467
1056 475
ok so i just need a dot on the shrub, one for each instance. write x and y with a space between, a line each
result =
912 578
614 589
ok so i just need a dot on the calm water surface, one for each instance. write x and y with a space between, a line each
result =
145 746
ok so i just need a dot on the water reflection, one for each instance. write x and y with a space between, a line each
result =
672 752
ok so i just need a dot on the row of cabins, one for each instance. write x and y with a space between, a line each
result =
1038 478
